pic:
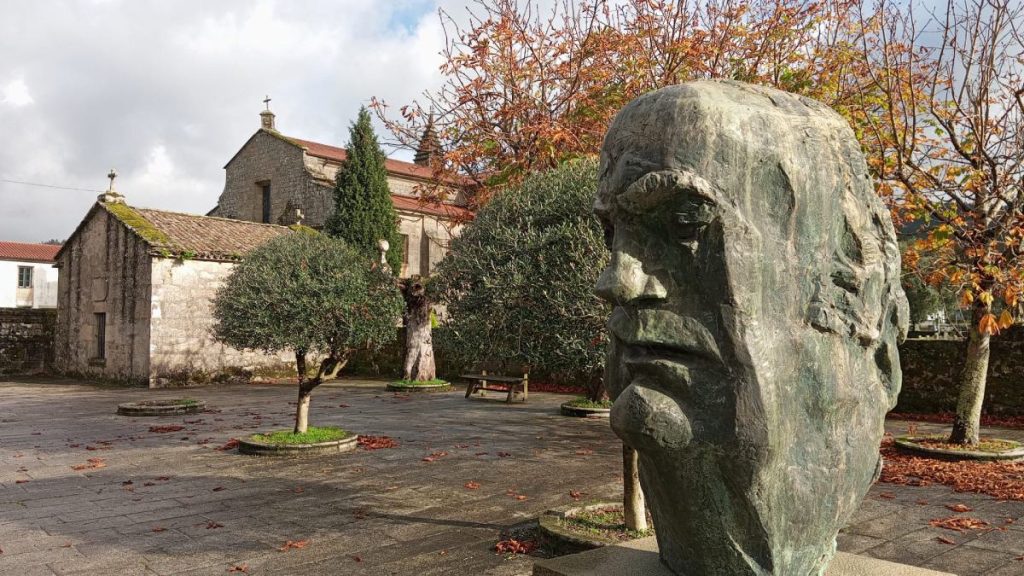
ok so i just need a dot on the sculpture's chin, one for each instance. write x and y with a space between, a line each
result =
647 419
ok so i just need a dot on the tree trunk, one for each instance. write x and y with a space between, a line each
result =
302 408
633 507
419 340
330 365
972 381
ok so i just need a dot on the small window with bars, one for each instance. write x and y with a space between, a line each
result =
101 336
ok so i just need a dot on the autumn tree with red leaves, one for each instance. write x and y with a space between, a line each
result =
942 114
526 89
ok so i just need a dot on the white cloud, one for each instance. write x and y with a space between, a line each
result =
15 93
166 92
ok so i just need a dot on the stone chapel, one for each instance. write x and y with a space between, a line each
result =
279 179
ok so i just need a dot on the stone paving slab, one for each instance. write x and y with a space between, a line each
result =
170 503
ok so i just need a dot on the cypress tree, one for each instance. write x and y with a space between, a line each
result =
363 213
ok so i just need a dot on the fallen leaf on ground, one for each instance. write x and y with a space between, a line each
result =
20 481
212 525
218 488
576 494
159 529
503 454
343 406
297 544
513 546
357 558
376 442
472 485
435 456
584 452
959 508
998 479
229 445
887 495
239 568
90 464
944 540
959 523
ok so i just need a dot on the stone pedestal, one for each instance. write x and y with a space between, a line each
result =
640 558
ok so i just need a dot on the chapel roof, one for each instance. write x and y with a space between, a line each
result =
175 234
26 252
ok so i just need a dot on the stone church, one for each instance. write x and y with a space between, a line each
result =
136 285
278 179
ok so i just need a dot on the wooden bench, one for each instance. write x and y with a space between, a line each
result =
486 382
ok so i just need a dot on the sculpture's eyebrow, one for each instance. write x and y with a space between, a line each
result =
656 188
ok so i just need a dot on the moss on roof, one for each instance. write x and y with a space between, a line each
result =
137 222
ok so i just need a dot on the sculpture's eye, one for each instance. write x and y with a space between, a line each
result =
691 219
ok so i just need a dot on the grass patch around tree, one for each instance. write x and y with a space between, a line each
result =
603 522
312 435
584 402
987 445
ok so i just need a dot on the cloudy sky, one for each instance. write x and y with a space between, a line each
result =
166 92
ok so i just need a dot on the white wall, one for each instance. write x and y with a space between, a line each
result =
43 293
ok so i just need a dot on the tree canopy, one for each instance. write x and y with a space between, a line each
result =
518 283
363 212
311 294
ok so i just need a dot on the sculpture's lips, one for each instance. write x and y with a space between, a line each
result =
660 334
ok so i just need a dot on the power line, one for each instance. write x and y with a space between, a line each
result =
48 185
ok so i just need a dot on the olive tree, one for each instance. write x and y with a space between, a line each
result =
518 283
310 294
519 288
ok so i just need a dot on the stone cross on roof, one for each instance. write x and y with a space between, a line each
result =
267 117
111 196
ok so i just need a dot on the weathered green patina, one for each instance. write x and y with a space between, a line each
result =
755 279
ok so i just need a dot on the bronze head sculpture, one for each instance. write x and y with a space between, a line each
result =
757 308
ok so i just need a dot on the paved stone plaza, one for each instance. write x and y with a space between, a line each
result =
169 502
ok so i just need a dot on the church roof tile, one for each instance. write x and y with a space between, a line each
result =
193 236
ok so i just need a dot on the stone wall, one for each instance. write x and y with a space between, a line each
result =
268 158
26 340
182 348
104 269
932 367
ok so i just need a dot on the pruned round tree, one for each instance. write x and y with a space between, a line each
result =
519 281
310 294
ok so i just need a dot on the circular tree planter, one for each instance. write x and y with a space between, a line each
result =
584 527
257 448
168 407
584 409
418 387
997 448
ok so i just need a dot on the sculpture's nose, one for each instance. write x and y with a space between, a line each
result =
624 281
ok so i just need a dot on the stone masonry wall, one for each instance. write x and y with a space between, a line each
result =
931 369
266 158
182 348
26 340
104 269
